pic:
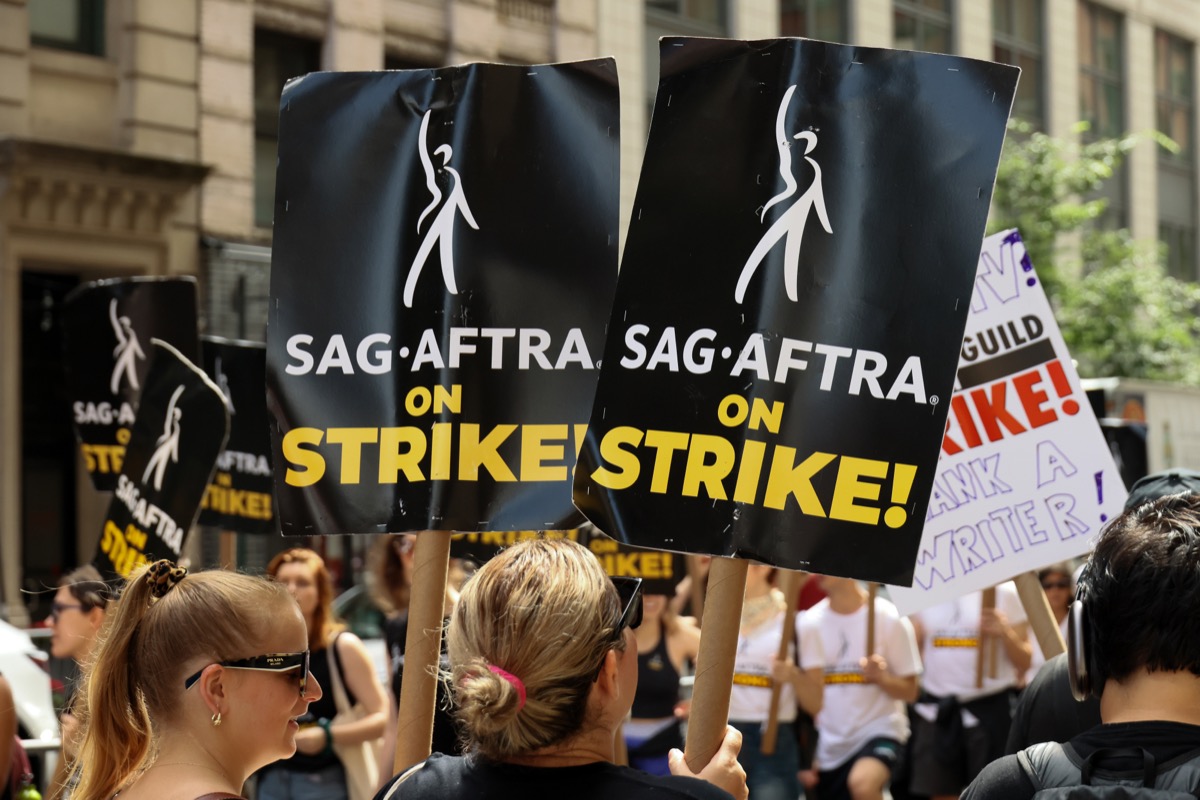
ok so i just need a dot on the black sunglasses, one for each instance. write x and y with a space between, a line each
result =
629 590
272 662
1056 585
56 609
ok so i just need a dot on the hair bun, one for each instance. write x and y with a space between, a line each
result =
163 576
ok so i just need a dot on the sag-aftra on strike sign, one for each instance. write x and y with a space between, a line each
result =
793 291
444 262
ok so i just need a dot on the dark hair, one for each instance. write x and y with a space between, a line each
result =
1141 591
88 587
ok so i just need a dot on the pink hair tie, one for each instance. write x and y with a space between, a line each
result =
516 682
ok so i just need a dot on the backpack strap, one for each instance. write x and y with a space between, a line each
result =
1149 767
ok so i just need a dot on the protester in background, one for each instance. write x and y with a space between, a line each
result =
392 565
665 643
544 671
315 770
961 726
77 614
1136 611
1059 586
756 669
8 738
863 724
197 683
1047 711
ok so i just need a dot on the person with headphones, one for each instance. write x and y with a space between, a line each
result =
1132 642
1047 711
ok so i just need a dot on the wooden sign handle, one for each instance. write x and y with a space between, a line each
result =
714 664
422 649
1041 618
985 642
793 582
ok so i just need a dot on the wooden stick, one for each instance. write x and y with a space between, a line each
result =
227 550
872 591
422 649
714 664
620 748
1041 617
985 642
793 582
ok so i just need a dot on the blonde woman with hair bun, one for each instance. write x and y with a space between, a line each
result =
545 670
196 682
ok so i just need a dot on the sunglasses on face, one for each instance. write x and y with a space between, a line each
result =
1056 585
56 609
629 590
272 662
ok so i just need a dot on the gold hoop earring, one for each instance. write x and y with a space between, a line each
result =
216 719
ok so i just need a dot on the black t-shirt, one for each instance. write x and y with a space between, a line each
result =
447 777
445 733
1004 778
1048 712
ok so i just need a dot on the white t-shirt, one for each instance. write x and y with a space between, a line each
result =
951 646
855 712
750 699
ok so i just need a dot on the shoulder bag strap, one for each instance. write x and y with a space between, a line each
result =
340 700
394 791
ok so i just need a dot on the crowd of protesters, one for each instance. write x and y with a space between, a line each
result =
214 684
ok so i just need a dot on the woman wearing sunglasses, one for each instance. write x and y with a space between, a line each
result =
76 615
1059 586
196 683
545 669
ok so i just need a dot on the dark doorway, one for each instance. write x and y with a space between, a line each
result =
47 441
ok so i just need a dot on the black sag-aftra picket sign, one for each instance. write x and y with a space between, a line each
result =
443 267
107 327
181 426
660 571
239 497
793 291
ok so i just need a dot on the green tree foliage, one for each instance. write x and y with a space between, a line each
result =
1124 316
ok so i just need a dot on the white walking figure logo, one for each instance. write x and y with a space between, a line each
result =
441 231
127 351
223 383
167 448
790 224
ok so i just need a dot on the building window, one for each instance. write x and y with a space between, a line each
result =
1175 106
277 58
1100 62
1017 26
714 13
926 25
1101 103
76 25
814 19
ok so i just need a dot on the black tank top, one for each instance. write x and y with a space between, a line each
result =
658 683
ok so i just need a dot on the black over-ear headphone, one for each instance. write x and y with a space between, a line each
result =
1081 670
